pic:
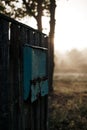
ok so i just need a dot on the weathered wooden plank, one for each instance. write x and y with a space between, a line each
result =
46 112
14 76
22 115
27 115
42 113
30 37
43 40
4 86
24 36
38 116
36 39
33 115
26 105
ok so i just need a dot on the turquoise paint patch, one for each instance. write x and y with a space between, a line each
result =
27 56
35 63
34 69
35 92
42 63
44 88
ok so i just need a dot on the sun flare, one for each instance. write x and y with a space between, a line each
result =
71 25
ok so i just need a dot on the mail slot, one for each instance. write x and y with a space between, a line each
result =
35 73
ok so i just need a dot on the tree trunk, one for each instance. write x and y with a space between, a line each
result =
51 42
39 16
39 23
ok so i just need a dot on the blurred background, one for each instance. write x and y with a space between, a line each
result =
65 23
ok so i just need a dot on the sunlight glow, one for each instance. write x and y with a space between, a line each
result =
71 25
45 25
30 21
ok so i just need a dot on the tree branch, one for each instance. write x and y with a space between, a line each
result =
29 9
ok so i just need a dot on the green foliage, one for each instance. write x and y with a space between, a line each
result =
2 8
13 8
21 8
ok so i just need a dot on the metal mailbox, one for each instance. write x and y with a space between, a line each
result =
35 73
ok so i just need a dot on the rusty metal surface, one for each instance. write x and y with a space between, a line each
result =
35 76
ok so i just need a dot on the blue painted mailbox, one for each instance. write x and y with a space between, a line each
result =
35 72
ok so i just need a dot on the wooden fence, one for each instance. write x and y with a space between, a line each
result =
16 111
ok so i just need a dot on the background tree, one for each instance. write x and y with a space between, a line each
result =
51 42
37 9
21 8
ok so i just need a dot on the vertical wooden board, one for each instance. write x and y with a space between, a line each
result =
31 36
36 38
43 40
26 105
28 36
4 87
38 116
35 115
42 108
46 112
14 76
23 40
27 116
24 36
46 41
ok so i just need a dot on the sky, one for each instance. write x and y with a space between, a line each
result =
71 25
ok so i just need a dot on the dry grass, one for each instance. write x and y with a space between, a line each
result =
70 86
68 103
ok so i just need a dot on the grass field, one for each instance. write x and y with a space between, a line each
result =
68 102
